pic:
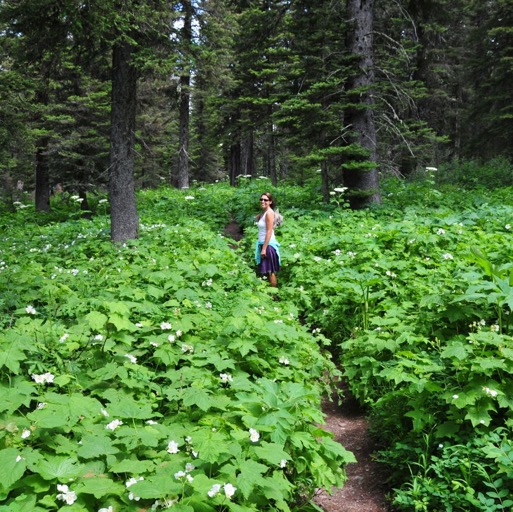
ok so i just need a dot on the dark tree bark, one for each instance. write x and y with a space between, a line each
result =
248 154
362 182
42 200
124 218
185 98
235 162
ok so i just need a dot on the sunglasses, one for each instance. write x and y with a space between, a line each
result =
265 200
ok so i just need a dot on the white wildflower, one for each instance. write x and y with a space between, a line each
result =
133 481
187 348
284 360
132 358
66 495
113 425
225 377
214 490
26 433
229 490
490 392
172 447
165 326
45 378
30 310
283 463
254 436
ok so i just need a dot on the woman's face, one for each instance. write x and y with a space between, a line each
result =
264 202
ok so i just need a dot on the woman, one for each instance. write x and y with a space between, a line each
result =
267 251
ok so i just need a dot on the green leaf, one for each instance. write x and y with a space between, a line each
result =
457 350
20 392
11 469
122 405
99 487
96 320
134 467
56 468
198 397
96 445
22 503
271 452
210 444
121 323
250 476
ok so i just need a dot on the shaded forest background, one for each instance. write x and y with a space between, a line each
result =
206 90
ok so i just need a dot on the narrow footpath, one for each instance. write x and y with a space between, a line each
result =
365 488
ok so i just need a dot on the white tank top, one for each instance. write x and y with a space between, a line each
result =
262 230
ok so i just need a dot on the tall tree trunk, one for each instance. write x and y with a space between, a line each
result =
248 154
42 202
124 218
235 161
184 97
362 182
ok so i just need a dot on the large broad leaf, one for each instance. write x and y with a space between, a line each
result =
160 485
250 476
457 350
96 320
198 397
64 411
12 467
23 503
271 452
95 445
17 394
57 468
99 487
210 444
122 405
133 467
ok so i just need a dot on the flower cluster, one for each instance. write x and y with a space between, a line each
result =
114 424
229 490
45 378
66 495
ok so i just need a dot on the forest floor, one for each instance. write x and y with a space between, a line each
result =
365 488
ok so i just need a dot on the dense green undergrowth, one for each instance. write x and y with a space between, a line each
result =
209 385
417 297
155 374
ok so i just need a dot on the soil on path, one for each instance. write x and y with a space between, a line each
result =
365 488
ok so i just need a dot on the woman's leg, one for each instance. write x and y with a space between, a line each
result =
273 279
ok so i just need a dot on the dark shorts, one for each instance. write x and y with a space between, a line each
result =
271 263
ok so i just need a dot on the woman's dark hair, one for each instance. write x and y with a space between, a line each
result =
270 197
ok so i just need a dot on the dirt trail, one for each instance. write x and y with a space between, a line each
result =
365 488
